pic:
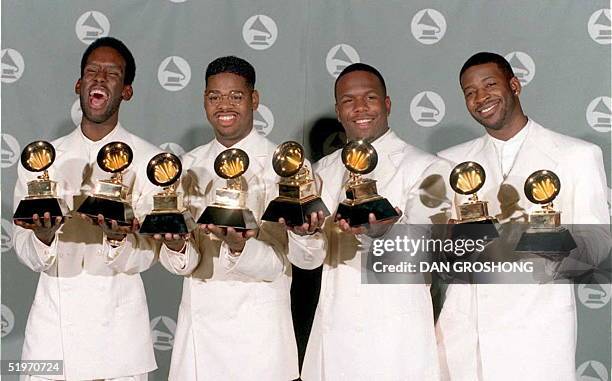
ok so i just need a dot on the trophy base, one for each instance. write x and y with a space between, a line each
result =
27 208
228 218
111 210
168 222
485 229
546 241
294 213
357 214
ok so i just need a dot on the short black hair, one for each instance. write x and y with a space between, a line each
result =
234 65
482 58
361 67
119 46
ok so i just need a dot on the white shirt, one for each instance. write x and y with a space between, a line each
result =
507 150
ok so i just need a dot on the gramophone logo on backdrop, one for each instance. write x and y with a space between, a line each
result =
76 114
259 32
172 148
522 65
6 235
427 108
595 295
174 73
600 27
339 57
428 26
599 114
9 152
12 65
91 26
8 321
163 329
592 371
263 121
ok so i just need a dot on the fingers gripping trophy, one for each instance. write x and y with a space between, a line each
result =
229 208
42 193
298 196
362 198
169 214
110 196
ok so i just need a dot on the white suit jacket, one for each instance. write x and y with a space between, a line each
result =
369 331
521 331
90 308
234 320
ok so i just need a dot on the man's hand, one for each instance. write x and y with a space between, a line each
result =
308 228
374 228
44 228
174 242
235 239
113 230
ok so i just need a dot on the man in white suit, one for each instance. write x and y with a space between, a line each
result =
519 331
234 320
367 332
90 307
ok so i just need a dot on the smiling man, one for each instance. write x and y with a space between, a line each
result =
90 308
517 331
361 331
234 321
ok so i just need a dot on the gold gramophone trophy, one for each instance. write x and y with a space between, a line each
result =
473 217
42 196
168 215
545 235
229 208
359 158
110 197
297 194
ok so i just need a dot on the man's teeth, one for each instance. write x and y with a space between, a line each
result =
361 121
97 93
488 108
226 117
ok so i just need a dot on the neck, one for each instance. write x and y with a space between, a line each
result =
509 130
370 138
96 131
230 141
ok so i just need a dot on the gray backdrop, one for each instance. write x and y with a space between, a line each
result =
559 49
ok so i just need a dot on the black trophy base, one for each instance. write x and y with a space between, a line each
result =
293 213
485 230
546 242
171 222
357 215
27 208
229 218
110 209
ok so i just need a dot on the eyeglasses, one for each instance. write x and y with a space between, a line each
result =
235 98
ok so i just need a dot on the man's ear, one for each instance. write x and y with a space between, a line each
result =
127 92
77 86
515 86
255 99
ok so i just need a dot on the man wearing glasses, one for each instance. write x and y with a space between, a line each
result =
234 320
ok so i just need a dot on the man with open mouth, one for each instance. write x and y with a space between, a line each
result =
90 308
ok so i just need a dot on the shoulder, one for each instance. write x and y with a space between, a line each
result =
328 162
564 146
